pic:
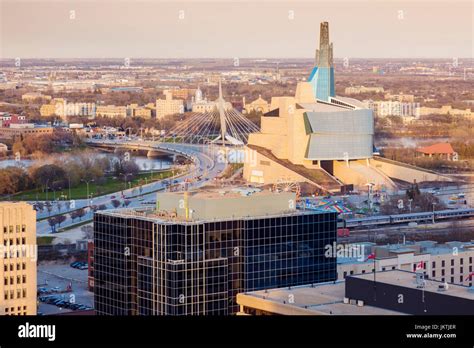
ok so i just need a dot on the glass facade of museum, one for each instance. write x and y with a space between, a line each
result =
340 135
152 267
322 81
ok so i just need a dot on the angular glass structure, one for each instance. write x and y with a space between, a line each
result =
322 75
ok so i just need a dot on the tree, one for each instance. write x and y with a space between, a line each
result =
52 222
40 206
60 219
115 203
88 231
49 207
80 213
49 174
73 215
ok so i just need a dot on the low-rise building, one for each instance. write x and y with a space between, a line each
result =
441 151
33 96
7 119
393 108
111 111
393 292
445 110
451 262
133 110
22 130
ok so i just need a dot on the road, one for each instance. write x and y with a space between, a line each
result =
205 165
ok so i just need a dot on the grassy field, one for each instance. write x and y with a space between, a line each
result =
46 240
111 185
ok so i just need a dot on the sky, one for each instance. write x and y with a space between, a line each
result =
235 29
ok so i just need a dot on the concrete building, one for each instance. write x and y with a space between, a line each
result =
410 293
55 108
79 109
168 106
7 119
194 252
393 292
320 138
133 110
258 105
393 108
451 262
23 130
445 110
310 299
111 111
362 89
182 93
19 257
34 96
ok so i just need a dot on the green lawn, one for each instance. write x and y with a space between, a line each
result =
111 185
46 240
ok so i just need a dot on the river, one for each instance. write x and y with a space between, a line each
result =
143 162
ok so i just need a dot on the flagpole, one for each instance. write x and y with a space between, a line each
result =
375 280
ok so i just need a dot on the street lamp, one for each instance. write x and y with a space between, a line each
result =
125 179
87 184
69 182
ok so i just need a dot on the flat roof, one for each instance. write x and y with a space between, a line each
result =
408 280
311 299
150 214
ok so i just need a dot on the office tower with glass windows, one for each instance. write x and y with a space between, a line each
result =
190 261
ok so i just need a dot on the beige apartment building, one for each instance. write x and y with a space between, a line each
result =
111 111
168 106
451 262
19 257
445 110
133 110
57 107
33 96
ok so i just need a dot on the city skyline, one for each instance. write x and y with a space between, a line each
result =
188 29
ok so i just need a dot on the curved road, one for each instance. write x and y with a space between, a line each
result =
205 165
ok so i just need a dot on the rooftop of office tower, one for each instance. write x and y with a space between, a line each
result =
214 205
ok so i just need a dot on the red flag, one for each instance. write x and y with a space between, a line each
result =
371 256
469 276
420 265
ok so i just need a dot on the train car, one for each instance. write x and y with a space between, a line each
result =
343 232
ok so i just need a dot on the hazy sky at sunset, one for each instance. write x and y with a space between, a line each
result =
153 29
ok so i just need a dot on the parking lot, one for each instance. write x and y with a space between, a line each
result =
54 278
